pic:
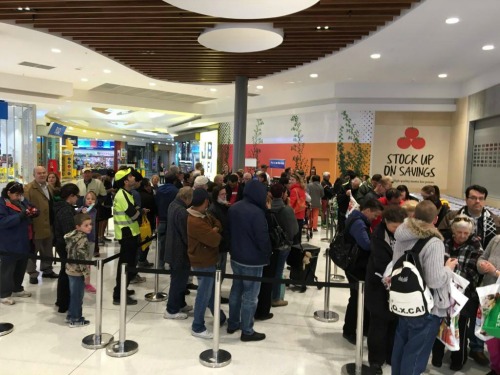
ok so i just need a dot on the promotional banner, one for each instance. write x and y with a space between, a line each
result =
208 153
412 156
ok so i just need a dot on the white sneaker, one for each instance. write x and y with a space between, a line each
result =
176 316
187 308
23 294
203 335
7 301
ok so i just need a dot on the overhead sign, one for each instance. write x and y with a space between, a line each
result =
208 152
277 163
57 129
4 110
73 139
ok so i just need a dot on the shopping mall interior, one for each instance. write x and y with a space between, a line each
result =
414 85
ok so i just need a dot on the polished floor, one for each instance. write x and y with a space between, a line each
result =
296 343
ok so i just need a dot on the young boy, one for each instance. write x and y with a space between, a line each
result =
77 248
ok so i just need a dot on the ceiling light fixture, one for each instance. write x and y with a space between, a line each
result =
84 79
313 75
488 47
326 27
124 136
84 131
255 9
152 84
241 37
318 27
452 20
213 90
106 71
443 75
375 56
56 50
260 87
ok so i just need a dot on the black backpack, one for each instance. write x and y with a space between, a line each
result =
409 296
279 239
343 253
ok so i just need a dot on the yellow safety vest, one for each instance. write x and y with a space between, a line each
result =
120 218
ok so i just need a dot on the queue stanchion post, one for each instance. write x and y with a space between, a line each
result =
5 328
216 357
156 296
335 276
327 216
122 347
358 368
98 340
326 315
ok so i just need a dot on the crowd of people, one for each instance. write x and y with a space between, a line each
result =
201 223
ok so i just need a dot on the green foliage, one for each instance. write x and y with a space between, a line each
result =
298 137
356 159
257 140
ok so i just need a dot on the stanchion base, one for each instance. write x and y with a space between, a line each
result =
96 342
6 328
156 297
326 316
337 278
350 369
211 359
129 347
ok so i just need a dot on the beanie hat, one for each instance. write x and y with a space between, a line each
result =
199 196
200 181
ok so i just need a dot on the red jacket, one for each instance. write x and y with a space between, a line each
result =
297 193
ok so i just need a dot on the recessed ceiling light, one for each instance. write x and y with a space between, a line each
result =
152 84
84 131
291 82
452 20
260 87
112 135
326 27
68 101
318 27
84 79
443 75
375 56
213 90
97 133
20 8
56 50
27 8
124 136
488 47
313 75
107 71
71 128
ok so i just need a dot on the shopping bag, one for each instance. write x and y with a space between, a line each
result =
448 333
488 297
491 323
145 230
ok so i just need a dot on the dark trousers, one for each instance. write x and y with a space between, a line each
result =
381 339
266 289
178 280
298 237
63 294
351 313
11 275
128 254
459 357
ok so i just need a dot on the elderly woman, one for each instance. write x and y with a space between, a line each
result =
466 248
15 226
489 265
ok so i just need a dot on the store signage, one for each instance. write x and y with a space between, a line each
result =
208 152
277 163
57 129
4 110
73 139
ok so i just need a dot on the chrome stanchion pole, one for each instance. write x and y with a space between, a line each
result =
216 357
326 315
5 328
327 216
358 368
98 340
122 347
156 296
336 276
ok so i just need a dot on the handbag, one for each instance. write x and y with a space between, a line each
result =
145 231
343 253
300 204
279 240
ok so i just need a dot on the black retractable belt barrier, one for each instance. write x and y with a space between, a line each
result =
156 296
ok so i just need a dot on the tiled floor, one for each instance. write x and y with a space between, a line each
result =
296 343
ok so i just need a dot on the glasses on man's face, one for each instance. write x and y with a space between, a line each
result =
463 218
475 198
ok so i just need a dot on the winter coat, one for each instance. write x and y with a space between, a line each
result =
164 196
285 217
316 192
203 241
64 221
219 211
435 274
42 225
77 248
248 229
148 201
359 233
176 242
296 192
492 255
376 296
14 227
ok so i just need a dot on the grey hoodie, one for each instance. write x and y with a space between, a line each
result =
436 275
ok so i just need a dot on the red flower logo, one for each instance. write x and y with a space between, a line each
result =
410 139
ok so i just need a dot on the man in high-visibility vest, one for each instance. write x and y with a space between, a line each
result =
125 216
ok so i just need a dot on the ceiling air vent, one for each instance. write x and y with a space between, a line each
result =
35 65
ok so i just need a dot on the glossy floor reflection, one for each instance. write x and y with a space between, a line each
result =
296 343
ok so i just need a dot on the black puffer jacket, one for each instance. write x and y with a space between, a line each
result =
64 222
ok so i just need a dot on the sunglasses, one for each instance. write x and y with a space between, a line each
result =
463 218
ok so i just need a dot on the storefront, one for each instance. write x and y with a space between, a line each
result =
95 154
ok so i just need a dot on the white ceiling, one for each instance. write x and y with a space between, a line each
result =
415 49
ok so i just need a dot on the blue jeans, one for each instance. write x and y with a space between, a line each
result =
178 280
76 291
243 298
475 343
280 267
204 299
413 344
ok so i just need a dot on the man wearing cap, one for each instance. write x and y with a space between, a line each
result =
126 214
201 182
263 169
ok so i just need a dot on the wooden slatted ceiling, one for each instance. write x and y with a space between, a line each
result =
160 41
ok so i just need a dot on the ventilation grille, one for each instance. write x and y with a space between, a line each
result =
35 65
